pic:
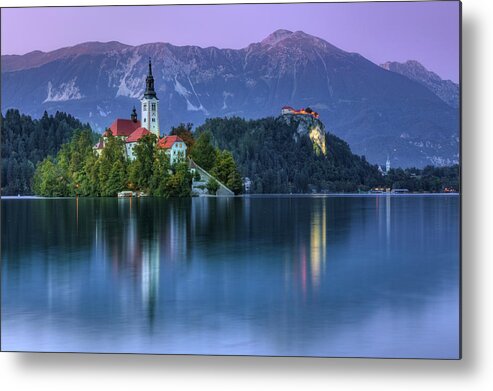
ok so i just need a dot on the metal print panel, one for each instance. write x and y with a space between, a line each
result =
269 179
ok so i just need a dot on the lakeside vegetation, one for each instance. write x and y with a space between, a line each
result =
54 156
278 160
27 141
78 170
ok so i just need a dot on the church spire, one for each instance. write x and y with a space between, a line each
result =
133 116
149 92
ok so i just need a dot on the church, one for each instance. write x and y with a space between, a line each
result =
132 130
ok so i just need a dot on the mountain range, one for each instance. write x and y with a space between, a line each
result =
379 110
446 90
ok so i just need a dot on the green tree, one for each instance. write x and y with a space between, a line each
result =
179 184
50 180
203 153
27 141
117 179
212 186
108 170
141 168
160 174
225 170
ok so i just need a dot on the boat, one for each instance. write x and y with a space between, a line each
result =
126 193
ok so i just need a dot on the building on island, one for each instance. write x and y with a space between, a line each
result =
306 111
132 130
174 147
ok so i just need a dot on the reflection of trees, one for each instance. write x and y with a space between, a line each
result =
279 266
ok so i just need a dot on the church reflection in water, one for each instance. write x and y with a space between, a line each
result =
236 275
153 240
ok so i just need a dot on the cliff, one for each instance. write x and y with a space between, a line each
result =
308 125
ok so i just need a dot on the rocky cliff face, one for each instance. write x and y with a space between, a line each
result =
378 112
308 125
446 90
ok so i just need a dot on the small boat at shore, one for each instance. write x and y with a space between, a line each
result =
126 193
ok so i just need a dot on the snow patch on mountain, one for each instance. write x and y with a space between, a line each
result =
64 92
186 94
131 86
181 89
226 95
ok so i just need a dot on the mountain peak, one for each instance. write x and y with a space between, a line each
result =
446 90
276 37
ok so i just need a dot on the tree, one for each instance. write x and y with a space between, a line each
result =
108 170
117 179
50 180
203 153
141 168
27 141
179 184
160 174
225 170
212 186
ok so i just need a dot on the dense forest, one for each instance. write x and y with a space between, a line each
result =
278 160
53 156
429 179
269 152
25 142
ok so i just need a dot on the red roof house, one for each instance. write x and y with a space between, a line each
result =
168 141
137 134
123 127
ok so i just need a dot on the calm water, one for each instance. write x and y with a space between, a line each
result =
321 276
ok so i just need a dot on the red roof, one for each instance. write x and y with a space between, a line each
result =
167 141
287 107
123 127
137 134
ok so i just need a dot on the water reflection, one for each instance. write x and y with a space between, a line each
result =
233 276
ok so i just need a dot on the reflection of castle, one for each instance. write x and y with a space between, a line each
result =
132 130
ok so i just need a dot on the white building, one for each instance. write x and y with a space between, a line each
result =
149 105
174 147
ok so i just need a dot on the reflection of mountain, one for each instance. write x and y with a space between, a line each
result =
259 275
378 112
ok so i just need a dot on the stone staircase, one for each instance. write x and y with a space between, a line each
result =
199 187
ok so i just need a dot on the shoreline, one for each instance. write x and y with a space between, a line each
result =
273 195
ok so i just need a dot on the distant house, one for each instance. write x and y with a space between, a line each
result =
174 147
247 184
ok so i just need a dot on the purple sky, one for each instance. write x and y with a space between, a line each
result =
423 31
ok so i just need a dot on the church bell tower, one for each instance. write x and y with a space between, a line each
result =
149 103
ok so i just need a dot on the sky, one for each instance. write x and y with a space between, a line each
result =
390 31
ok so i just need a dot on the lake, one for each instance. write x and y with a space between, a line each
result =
344 276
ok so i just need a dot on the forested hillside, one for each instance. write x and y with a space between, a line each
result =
279 160
26 141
